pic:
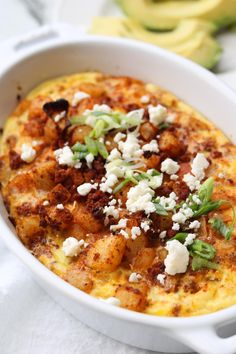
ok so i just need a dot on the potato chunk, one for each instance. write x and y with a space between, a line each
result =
143 259
43 175
106 253
28 228
84 218
79 134
148 131
80 279
170 144
133 297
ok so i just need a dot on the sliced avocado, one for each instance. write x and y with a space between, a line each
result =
123 27
191 38
165 15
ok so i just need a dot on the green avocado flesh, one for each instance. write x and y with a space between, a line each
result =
165 15
191 38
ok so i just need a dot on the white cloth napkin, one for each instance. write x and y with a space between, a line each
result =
32 323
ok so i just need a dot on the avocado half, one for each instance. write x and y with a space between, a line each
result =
165 15
191 38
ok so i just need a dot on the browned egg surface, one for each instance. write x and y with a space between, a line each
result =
112 244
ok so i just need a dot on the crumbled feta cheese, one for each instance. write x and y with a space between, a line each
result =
145 99
187 212
157 114
116 168
134 277
135 232
196 199
59 116
89 159
121 225
179 218
189 239
174 177
145 225
78 164
168 203
85 188
112 301
156 181
114 154
27 153
199 165
171 118
136 114
45 203
36 143
102 108
161 278
79 96
176 226
125 234
152 146
119 136
64 156
60 206
130 148
108 143
108 183
112 202
111 211
140 197
169 166
221 175
192 182
195 224
163 234
177 259
72 247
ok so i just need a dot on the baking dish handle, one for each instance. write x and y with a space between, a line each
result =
41 36
205 340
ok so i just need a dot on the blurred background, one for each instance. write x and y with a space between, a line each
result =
209 39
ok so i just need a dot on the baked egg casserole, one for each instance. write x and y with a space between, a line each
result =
125 192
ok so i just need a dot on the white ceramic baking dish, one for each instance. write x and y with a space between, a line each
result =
60 50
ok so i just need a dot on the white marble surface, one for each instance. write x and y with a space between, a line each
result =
30 322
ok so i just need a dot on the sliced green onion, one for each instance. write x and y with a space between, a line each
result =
159 209
208 207
180 236
155 172
222 228
78 120
102 149
198 247
142 176
163 126
80 155
121 185
91 145
79 148
199 263
202 249
130 175
98 129
206 190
